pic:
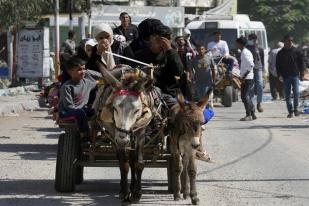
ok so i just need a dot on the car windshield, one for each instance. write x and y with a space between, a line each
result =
204 36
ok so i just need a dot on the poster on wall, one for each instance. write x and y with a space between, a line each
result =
170 16
196 3
32 54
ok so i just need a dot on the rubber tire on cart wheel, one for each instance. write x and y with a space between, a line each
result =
68 146
227 99
79 170
235 94
79 175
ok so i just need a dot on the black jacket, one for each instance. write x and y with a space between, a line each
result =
130 34
290 62
91 64
169 71
258 56
130 51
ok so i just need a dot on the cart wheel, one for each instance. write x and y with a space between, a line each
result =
79 170
235 94
68 146
79 175
227 99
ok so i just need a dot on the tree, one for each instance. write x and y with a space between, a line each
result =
18 12
78 5
279 16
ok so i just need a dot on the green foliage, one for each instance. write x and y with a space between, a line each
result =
78 5
280 16
18 12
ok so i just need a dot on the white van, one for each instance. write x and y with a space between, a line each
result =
231 28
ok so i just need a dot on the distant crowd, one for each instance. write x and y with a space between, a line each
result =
192 68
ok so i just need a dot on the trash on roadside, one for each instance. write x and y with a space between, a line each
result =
304 89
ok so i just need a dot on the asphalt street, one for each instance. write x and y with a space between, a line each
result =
263 162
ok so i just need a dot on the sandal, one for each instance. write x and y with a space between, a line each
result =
203 156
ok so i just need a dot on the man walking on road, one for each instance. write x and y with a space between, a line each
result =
246 75
258 57
290 68
68 46
276 86
203 66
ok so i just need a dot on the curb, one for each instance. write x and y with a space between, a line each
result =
17 90
12 108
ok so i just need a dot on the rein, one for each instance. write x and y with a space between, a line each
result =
123 92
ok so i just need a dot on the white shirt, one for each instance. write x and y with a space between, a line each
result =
247 64
220 47
272 61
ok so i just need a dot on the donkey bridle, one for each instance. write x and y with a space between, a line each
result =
128 132
121 92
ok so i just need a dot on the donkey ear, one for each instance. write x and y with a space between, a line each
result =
181 100
203 102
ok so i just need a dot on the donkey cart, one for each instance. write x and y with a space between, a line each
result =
72 157
227 85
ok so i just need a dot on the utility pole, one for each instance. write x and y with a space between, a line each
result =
89 18
71 18
10 39
57 39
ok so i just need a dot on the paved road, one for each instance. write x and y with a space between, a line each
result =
265 162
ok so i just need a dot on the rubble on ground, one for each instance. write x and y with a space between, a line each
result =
18 90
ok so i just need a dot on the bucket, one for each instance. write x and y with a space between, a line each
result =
208 114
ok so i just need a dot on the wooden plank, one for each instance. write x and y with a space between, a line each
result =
114 163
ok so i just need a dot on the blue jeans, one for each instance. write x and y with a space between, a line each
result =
201 91
291 82
258 85
247 97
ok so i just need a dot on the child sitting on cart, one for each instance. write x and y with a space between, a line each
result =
74 94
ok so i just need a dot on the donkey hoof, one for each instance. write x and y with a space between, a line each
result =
177 197
125 203
121 195
124 196
195 201
185 196
135 198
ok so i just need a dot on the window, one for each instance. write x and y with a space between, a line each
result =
204 36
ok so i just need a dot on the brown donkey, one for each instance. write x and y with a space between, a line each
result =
185 139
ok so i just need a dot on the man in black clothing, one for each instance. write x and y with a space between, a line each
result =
290 68
160 52
145 29
126 29
186 55
169 71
